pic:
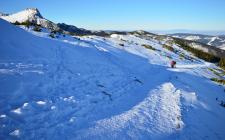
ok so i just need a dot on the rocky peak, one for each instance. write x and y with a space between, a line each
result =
34 12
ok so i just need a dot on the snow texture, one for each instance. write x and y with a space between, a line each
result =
95 88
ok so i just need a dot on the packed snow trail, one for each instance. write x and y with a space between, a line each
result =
54 89
157 115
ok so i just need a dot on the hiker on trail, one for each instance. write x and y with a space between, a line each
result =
173 64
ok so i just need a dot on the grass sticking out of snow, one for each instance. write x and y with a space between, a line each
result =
148 47
168 48
217 72
220 81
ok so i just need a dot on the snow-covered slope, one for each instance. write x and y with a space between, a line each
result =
104 88
32 15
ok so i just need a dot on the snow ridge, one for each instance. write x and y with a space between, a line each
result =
157 115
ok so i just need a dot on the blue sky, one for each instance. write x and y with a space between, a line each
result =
128 14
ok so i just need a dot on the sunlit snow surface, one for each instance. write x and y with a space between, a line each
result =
95 88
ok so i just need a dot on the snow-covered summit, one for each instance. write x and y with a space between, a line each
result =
29 15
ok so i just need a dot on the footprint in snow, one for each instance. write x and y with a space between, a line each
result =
72 119
41 102
53 107
17 111
25 105
69 99
15 133
3 116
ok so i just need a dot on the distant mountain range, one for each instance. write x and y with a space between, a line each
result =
185 31
217 41
32 15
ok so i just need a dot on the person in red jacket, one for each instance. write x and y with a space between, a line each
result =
173 64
